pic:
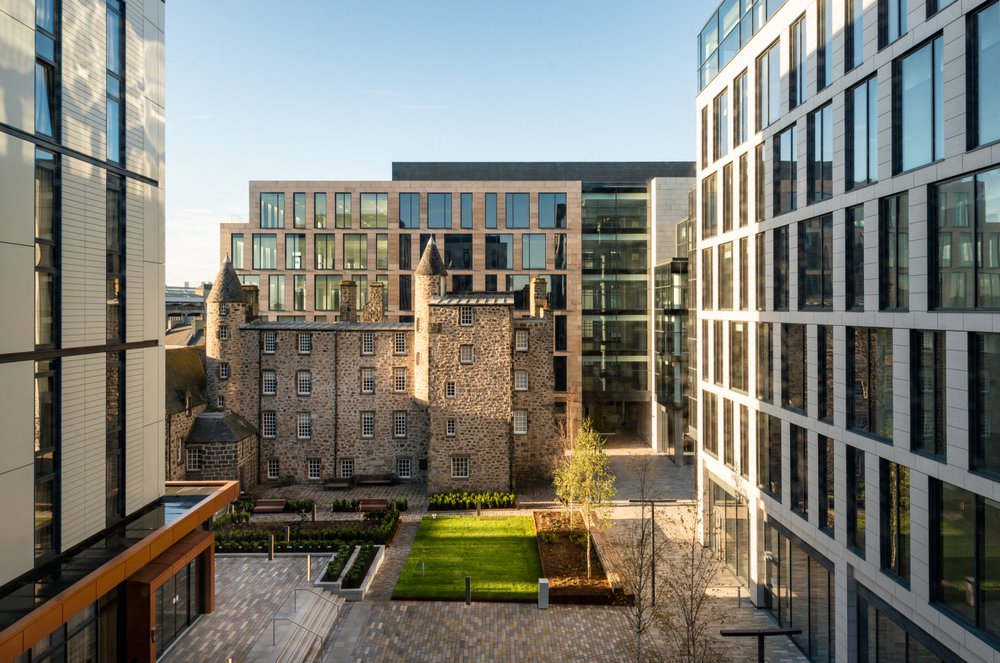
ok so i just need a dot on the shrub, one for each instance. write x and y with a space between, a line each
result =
299 506
354 577
339 506
547 537
337 564
464 500
579 538
398 504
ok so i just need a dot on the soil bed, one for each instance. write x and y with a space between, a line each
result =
564 559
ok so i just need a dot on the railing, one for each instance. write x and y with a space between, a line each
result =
287 644
295 593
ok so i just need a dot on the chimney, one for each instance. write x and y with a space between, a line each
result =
348 301
375 308
539 296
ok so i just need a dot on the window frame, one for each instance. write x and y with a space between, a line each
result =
520 422
461 467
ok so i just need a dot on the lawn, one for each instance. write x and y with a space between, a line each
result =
500 554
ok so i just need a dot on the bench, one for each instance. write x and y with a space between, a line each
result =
374 479
269 506
373 505
337 484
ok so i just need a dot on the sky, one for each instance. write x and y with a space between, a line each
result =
338 89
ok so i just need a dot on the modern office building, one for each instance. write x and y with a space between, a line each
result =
849 339
94 543
583 227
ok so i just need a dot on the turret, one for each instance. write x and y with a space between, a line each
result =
428 282
227 307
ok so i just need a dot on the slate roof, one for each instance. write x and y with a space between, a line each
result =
326 326
430 262
227 287
185 375
224 426
474 299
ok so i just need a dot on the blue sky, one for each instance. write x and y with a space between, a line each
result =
310 89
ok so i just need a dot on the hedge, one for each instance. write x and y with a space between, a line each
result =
313 540
354 577
463 500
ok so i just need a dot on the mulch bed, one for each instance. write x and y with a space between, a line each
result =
564 561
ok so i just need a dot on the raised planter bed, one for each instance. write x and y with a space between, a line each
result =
323 536
346 554
564 562
359 593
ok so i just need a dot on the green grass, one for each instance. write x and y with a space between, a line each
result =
500 554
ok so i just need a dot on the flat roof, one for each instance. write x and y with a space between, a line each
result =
584 171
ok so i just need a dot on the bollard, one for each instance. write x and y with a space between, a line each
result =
288 534
543 593
468 590
422 569
270 549
309 567
479 508
314 512
739 596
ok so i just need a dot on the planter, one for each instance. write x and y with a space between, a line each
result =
359 593
334 585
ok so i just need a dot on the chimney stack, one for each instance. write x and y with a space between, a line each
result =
539 296
348 301
374 310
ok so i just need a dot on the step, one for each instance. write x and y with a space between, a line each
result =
292 643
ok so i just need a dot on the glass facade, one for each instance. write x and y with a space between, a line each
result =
918 104
984 388
869 377
729 530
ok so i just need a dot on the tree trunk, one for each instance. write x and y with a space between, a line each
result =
587 525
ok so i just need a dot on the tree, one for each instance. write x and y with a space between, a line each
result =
582 478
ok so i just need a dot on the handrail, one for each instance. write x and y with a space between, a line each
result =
295 593
286 619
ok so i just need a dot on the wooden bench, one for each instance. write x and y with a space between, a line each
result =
374 479
373 505
269 506
337 484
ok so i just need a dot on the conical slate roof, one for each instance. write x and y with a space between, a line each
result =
227 286
430 262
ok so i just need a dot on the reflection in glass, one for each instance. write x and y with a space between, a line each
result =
517 210
319 210
894 263
920 106
374 210
325 251
356 252
272 210
552 210
869 370
439 210
987 59
342 204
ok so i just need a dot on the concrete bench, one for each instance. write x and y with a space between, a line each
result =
269 506
373 505
336 484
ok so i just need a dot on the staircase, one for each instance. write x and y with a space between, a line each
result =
300 628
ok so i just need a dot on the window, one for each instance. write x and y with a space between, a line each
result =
46 111
314 468
824 47
891 21
115 80
827 479
299 292
367 343
295 251
709 423
744 273
720 127
405 293
854 33
709 206
520 380
741 108
223 370
984 100
984 385
726 283
265 251
449 389
237 250
856 499
965 256
718 352
765 354
409 210
769 454
404 468
927 396
115 258
269 423
745 442
220 402
346 468
276 292
707 279
738 351
760 271
342 202
194 460
780 243
894 490
532 251
799 474
744 177
451 426
304 426
894 252
816 263
399 424
824 369
325 251
552 210
367 424
918 107
517 210
769 86
399 343
223 332
559 251
758 165
273 468
327 292
793 366
862 133
465 316
559 373
223 309
367 380
520 422
272 210
728 441
855 255
499 252
356 252
458 251
820 154
460 468
491 210
399 380
381 251
727 197
305 343
798 89
268 382
374 211
304 383
319 210
439 210
466 354
298 210
466 211
270 342
704 137
521 340
785 171
869 376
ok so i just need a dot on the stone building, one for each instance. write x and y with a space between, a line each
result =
222 445
185 400
460 397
